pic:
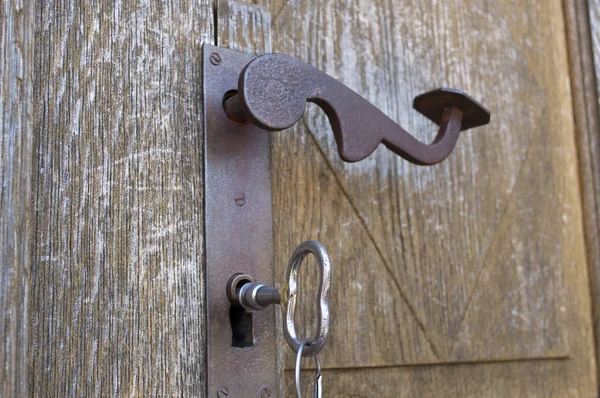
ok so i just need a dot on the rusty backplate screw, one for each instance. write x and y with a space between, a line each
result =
222 392
265 392
240 199
215 59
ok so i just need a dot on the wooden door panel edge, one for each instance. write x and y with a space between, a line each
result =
583 33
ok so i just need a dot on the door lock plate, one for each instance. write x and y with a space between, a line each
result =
239 235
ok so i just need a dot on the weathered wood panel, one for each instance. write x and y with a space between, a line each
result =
117 282
479 259
587 121
16 135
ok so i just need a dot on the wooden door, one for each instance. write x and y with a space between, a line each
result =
470 278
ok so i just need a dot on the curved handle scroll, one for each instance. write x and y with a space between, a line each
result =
274 89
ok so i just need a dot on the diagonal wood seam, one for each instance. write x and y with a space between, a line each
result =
388 268
281 10
499 222
403 294
397 283
501 225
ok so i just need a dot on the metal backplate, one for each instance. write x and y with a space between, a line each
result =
238 234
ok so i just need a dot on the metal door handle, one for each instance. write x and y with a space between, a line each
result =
274 88
271 92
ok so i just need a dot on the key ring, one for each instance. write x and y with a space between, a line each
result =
318 378
314 346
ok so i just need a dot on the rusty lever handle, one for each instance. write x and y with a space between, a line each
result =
274 88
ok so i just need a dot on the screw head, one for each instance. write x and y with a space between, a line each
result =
265 392
240 199
215 59
222 392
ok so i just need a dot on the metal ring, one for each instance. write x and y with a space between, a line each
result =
314 346
248 300
234 284
318 388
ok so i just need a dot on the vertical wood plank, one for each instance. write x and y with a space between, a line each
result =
16 135
583 33
117 280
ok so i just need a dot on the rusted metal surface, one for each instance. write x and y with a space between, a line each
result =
238 234
274 89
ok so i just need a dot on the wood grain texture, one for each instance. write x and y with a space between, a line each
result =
480 259
16 135
243 27
582 50
117 282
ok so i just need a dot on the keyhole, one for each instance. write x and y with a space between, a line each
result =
241 324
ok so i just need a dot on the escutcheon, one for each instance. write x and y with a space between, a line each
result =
239 237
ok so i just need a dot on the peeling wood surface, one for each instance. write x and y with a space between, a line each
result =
478 260
16 135
116 282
